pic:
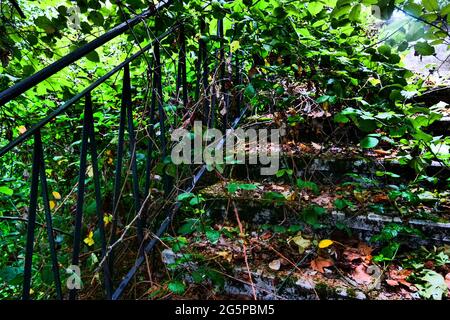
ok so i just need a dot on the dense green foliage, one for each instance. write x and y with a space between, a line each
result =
330 47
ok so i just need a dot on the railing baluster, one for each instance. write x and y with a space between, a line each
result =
80 200
182 67
98 198
117 183
203 49
162 117
134 170
148 167
31 223
48 216
238 80
198 67
222 73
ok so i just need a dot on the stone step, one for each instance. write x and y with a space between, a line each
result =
324 128
361 216
306 285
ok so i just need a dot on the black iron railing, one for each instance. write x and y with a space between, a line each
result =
89 147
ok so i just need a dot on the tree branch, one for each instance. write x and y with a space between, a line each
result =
16 6
422 20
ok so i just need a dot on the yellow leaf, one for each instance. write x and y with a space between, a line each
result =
234 46
290 197
56 195
325 243
107 218
89 240
22 129
302 243
226 255
52 205
90 171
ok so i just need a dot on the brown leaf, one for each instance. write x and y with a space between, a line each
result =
351 255
365 251
380 198
319 263
275 265
392 283
324 200
382 152
266 235
447 280
399 277
361 276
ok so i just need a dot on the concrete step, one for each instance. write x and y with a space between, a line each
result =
333 166
369 211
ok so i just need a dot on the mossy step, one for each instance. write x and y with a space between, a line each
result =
332 163
272 204
305 285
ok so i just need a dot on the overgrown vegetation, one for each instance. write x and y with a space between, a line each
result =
332 70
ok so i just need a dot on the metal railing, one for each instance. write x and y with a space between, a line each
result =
89 147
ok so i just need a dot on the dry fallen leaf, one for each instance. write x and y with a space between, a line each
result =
392 283
302 243
380 198
226 255
266 235
324 200
320 263
275 265
361 276
382 152
316 146
447 280
351 255
364 249
397 277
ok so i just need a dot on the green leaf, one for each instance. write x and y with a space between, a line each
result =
434 286
315 7
213 235
341 204
385 50
340 118
93 56
431 5
308 185
323 99
446 10
424 49
6 190
232 187
311 215
250 91
196 200
355 13
185 196
189 227
247 186
96 17
413 8
369 142
176 287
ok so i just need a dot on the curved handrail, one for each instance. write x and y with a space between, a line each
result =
29 133
26 84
